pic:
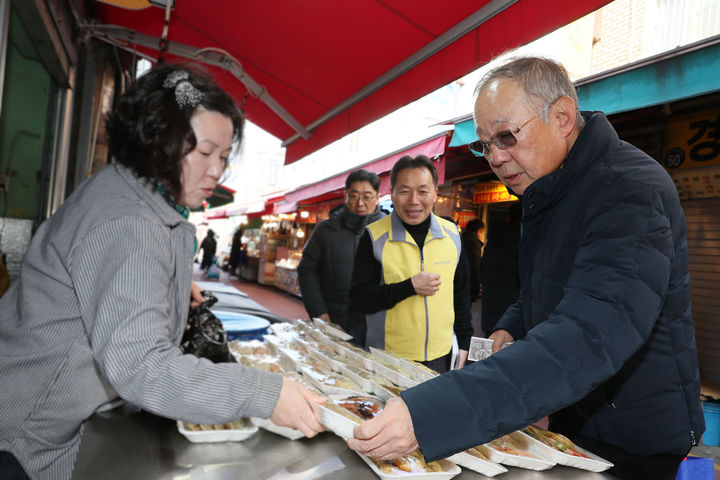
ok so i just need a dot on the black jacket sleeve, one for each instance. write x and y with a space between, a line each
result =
366 293
309 273
461 298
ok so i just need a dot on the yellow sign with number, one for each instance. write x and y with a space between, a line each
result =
692 140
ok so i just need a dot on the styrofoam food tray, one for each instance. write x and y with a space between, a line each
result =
334 364
593 464
293 358
270 426
328 389
540 463
396 377
477 464
416 372
356 358
367 385
209 436
450 470
335 422
330 330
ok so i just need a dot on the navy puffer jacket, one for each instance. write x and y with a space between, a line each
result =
604 335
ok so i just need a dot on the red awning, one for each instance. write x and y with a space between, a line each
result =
326 68
332 187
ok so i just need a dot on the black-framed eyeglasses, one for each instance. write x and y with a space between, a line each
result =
502 140
366 197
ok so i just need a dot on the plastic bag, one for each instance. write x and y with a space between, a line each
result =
204 334
696 468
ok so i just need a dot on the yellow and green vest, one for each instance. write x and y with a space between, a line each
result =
418 328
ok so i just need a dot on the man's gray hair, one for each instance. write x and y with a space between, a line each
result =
543 80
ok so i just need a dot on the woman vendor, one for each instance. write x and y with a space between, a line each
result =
101 302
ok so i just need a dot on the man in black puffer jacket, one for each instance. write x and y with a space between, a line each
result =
603 336
327 262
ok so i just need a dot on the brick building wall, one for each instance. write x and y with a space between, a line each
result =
619 34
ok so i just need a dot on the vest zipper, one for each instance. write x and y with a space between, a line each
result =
427 322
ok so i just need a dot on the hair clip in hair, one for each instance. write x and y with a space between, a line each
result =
186 95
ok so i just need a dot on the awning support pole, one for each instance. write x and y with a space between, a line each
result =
117 35
466 26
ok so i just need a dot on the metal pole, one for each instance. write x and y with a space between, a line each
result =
211 56
4 27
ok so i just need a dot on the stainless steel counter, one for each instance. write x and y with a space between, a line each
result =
126 444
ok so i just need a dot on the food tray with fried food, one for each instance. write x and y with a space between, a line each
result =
331 359
412 467
230 432
356 356
478 459
341 413
518 451
415 370
273 342
332 329
564 452
267 363
355 374
249 347
270 426
317 335
388 391
394 373
292 359
331 383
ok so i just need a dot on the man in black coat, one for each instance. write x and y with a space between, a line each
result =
327 261
499 268
603 336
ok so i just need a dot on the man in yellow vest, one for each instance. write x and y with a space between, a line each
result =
410 276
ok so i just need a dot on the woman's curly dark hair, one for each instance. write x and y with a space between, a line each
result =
150 132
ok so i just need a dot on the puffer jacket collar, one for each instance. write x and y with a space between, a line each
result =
594 140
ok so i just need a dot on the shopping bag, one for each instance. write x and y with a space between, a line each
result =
213 271
696 468
204 334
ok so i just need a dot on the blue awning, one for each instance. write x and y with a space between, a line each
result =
674 75
681 73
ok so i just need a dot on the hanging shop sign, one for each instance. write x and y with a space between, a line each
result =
697 183
463 217
491 192
693 140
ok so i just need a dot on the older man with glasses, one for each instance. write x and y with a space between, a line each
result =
603 336
327 262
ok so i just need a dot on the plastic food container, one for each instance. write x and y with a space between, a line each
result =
477 464
270 426
241 326
538 462
449 471
211 436
593 464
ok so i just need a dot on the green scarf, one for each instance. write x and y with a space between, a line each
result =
181 209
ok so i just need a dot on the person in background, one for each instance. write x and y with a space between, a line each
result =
410 276
499 268
101 302
603 335
473 248
235 251
208 247
327 261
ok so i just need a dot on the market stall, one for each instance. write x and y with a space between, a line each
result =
126 443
